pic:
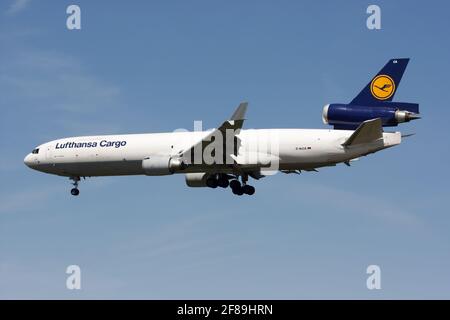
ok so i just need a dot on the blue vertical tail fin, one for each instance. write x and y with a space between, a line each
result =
383 86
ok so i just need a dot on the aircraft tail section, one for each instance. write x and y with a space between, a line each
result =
383 86
374 101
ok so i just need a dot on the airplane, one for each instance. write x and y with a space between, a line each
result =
229 155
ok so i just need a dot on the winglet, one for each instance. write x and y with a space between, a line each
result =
368 131
240 112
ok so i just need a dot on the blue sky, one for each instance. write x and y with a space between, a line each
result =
157 66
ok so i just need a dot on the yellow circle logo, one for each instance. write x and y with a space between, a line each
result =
382 87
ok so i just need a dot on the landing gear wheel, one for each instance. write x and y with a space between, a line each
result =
234 184
236 188
223 182
75 190
248 189
238 191
211 182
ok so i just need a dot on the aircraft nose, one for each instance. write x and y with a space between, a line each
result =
28 161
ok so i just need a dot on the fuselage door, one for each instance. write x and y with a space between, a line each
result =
48 152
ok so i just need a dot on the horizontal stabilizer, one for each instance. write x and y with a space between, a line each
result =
368 131
407 135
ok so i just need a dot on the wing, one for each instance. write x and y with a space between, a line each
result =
222 142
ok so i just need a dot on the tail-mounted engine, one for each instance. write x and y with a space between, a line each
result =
349 116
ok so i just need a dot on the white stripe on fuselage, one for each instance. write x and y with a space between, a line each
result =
123 154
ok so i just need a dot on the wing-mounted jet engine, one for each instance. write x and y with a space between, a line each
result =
374 101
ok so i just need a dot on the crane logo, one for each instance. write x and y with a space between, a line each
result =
382 87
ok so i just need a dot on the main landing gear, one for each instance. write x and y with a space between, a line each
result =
75 190
239 189
223 181
218 180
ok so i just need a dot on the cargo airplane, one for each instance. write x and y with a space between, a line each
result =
229 155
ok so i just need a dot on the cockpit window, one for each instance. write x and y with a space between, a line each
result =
35 151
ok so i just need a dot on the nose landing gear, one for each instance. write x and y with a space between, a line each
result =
75 190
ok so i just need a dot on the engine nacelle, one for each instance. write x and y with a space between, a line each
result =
196 180
161 165
348 116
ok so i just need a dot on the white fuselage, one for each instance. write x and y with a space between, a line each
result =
110 155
